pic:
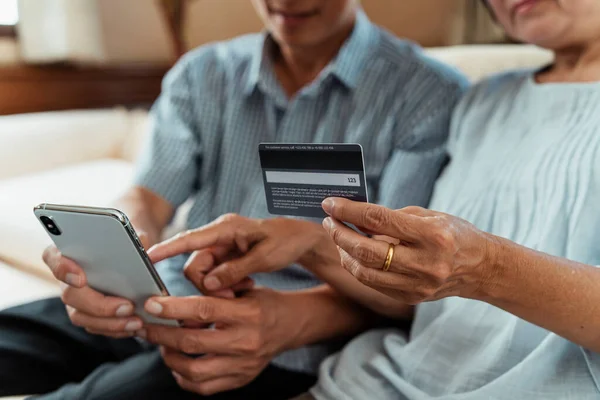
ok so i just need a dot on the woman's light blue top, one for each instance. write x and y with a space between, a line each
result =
526 166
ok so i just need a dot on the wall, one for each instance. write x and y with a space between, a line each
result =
211 20
134 31
429 22
9 52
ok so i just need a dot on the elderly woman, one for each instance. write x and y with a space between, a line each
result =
503 271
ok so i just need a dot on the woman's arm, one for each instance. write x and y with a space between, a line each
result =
559 295
439 255
344 283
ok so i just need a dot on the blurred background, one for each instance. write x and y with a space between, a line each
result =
77 78
118 50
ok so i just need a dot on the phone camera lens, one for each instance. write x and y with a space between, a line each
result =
50 225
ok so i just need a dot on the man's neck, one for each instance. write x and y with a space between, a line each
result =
296 67
575 64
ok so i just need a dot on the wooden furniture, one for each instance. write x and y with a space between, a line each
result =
8 31
25 89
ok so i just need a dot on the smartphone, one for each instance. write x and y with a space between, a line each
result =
105 245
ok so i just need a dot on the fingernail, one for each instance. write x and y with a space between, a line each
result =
327 223
133 326
176 375
153 307
124 311
73 280
212 283
141 334
327 205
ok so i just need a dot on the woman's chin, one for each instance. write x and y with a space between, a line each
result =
542 35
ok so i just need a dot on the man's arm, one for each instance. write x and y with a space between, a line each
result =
267 246
327 267
322 314
148 212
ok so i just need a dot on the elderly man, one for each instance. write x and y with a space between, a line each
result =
322 72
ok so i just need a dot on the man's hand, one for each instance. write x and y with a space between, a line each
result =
249 332
87 308
252 246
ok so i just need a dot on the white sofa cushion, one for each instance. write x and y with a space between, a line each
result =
480 61
96 183
41 141
18 287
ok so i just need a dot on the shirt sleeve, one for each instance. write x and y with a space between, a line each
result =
168 162
420 154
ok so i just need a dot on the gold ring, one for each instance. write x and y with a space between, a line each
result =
389 258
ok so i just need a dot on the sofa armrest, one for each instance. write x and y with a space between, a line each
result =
42 141
481 61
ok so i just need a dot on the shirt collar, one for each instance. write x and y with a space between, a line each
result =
346 67
350 61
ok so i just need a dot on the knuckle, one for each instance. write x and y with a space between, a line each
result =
180 235
413 210
204 310
205 390
255 364
185 235
412 300
442 271
362 274
190 273
104 309
59 270
66 295
336 235
255 316
364 253
228 273
252 343
440 234
421 294
195 371
229 217
357 270
374 218
75 317
188 344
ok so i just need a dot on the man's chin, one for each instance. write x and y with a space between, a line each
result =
295 39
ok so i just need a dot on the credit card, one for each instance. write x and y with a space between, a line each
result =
298 177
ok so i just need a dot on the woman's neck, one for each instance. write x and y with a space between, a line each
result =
574 64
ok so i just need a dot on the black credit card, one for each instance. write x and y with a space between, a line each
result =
298 177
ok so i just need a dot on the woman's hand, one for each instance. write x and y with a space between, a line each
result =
437 255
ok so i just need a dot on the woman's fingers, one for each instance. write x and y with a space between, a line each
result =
400 286
370 252
375 219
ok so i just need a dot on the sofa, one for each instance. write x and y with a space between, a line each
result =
86 157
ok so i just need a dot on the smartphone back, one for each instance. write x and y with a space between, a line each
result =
106 247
